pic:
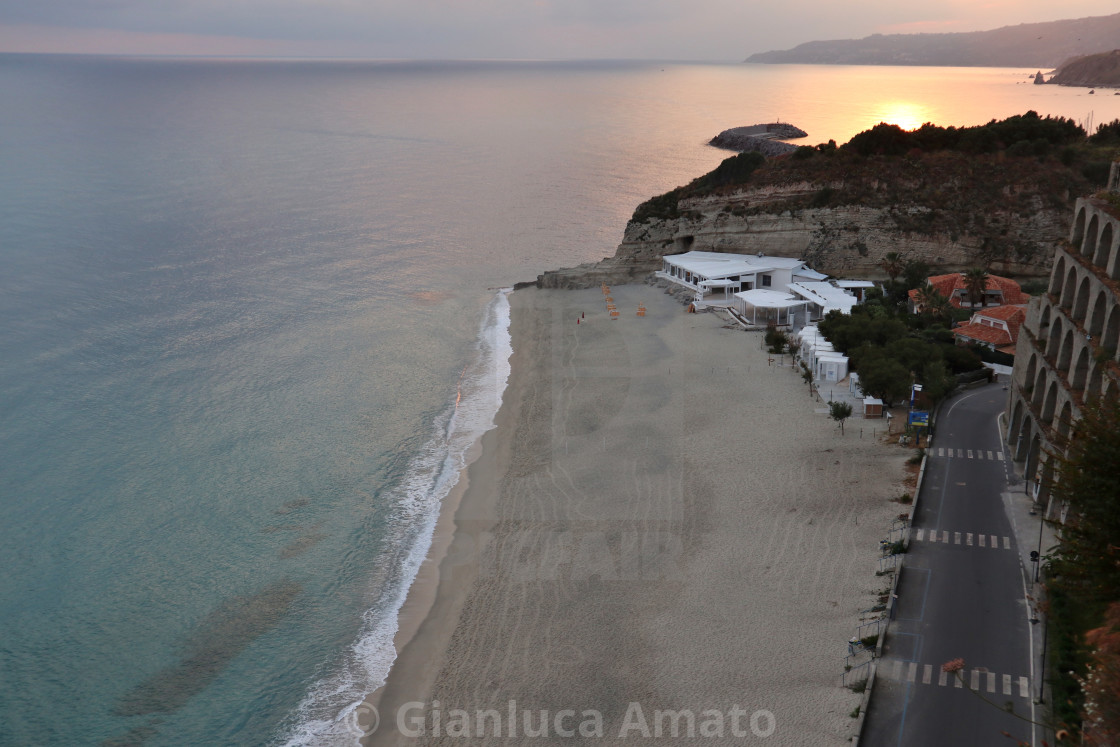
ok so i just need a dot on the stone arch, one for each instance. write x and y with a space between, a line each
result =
1052 342
1080 372
1110 336
1048 406
1034 454
1065 355
1104 247
1023 438
1058 275
1064 424
1081 304
1097 318
1094 385
1032 368
1017 411
1039 388
1090 242
1066 299
1078 232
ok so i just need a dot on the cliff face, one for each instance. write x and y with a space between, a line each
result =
1098 70
952 212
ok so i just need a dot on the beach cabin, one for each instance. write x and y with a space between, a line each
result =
857 288
717 276
872 407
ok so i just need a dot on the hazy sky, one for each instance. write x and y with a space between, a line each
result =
652 29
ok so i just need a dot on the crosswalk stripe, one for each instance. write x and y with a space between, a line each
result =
945 536
983 540
1024 688
1007 684
927 673
918 534
968 539
956 538
990 455
970 453
895 669
958 681
991 682
942 678
912 673
999 455
995 542
1006 543
941 452
975 679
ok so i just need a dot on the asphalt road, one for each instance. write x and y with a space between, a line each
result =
962 594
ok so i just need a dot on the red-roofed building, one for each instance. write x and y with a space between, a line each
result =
996 328
1000 291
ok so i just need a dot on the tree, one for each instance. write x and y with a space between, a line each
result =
892 264
930 301
839 411
976 282
882 376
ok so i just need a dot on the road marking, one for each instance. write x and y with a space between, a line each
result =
1006 543
956 538
1007 684
1024 688
995 542
990 455
999 455
897 665
975 679
968 539
960 453
913 671
943 678
941 452
918 534
991 682
927 673
970 453
983 540
958 681
945 536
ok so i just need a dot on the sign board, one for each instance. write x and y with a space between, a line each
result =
919 418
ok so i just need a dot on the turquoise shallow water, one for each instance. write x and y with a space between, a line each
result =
239 299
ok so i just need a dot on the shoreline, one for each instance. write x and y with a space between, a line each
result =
637 565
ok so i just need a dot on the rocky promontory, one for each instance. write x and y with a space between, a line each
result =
760 138
992 203
1093 71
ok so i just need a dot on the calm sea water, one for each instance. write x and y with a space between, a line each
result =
239 300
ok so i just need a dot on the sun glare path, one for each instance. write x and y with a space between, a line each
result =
906 115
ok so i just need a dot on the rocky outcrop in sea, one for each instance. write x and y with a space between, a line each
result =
761 138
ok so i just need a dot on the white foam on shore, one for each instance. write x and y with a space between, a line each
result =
324 715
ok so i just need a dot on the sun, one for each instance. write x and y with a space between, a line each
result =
905 114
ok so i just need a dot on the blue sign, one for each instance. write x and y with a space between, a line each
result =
919 418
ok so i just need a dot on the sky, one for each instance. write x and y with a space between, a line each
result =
704 30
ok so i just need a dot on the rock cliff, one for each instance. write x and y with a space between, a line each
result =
843 214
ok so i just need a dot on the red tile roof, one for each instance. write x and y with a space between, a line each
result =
953 287
984 333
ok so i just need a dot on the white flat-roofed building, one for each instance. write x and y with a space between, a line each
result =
823 297
717 276
770 307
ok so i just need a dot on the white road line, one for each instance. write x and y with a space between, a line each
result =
1024 688
1007 684
991 456
941 452
999 455
918 534
1006 543
927 674
995 542
975 679
956 538
991 682
943 678
912 674
983 540
896 669
968 539
970 453
958 680
945 536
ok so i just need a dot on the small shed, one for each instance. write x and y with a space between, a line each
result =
872 407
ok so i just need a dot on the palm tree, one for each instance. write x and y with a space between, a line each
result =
976 282
892 264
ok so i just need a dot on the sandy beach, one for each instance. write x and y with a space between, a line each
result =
660 521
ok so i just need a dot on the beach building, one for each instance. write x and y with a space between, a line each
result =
1068 351
823 297
857 288
765 307
995 329
823 360
717 276
998 292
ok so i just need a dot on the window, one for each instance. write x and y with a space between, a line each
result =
765 281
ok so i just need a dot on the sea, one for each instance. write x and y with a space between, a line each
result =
254 313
